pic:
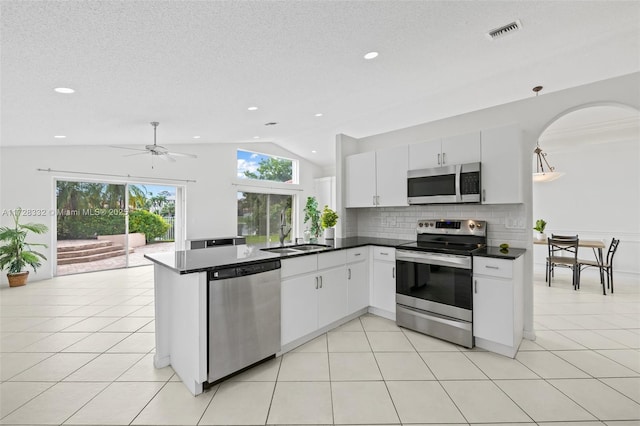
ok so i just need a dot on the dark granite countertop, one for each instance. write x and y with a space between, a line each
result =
497 252
211 259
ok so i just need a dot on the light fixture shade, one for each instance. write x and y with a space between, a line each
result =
546 176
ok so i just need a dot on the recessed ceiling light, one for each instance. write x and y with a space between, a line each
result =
256 137
319 114
371 55
252 108
314 152
65 90
59 136
196 137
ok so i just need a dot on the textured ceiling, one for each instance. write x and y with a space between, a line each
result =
195 66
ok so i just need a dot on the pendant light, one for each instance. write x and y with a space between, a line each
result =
541 174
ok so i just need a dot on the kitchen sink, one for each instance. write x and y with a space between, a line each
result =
299 248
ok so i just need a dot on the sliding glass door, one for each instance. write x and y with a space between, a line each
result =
103 225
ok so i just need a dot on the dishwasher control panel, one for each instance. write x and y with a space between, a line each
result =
244 270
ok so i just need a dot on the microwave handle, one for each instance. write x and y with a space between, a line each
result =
457 183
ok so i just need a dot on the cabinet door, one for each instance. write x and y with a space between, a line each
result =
425 155
502 166
361 180
358 286
332 295
461 149
493 309
299 306
391 168
384 286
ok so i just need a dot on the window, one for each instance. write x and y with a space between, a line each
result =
260 216
252 165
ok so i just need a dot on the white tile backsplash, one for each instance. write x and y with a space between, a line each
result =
400 222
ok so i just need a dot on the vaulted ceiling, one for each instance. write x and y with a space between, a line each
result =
197 66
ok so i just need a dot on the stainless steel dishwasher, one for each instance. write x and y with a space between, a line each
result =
244 317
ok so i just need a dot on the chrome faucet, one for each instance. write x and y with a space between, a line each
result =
283 225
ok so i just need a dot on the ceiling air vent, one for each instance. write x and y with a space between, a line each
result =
504 30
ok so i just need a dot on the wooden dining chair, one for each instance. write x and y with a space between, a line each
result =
605 265
563 252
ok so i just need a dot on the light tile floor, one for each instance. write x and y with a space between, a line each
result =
78 350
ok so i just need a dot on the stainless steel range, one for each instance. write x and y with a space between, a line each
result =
434 285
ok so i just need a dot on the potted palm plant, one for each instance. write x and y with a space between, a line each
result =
16 253
328 220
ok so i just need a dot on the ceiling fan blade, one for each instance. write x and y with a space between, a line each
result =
124 147
182 154
137 153
166 157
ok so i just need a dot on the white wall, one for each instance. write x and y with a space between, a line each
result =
598 198
533 115
211 201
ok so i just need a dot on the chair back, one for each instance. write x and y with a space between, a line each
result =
563 245
613 247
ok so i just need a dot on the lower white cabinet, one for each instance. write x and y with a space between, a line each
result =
383 282
357 279
313 293
497 304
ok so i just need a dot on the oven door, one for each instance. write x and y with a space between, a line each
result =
434 282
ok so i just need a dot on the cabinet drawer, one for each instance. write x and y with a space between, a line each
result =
357 254
500 268
384 253
299 265
332 259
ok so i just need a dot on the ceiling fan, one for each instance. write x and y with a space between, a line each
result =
157 150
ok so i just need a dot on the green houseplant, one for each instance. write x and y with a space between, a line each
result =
312 215
328 220
540 225
16 253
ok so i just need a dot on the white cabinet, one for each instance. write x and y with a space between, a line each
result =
313 293
502 165
377 178
383 283
361 180
460 149
497 304
357 279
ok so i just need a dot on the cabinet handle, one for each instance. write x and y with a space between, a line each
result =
443 158
349 275
475 286
393 272
439 160
320 281
491 267
484 195
316 283
374 200
384 254
377 200
357 254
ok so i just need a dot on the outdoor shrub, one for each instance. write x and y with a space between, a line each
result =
150 224
90 224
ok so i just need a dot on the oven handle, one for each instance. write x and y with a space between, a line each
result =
452 260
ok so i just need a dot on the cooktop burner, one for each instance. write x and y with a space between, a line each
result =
454 236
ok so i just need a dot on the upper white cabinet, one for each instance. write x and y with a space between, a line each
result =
377 178
452 150
502 165
361 180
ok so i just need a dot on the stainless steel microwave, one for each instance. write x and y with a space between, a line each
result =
458 183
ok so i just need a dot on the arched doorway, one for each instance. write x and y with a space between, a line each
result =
598 149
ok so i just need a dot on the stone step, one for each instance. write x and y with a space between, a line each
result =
82 246
89 251
92 257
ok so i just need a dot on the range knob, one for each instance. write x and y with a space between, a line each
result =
472 225
420 224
